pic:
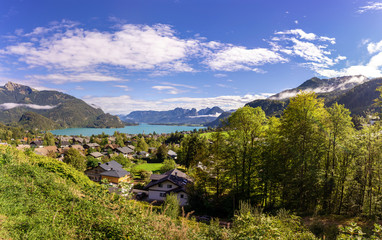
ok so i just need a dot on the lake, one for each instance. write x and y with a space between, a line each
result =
141 128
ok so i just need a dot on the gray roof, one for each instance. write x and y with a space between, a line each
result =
109 165
113 169
37 142
125 150
96 154
171 153
175 176
92 145
118 173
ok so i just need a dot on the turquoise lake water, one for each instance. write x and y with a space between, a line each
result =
142 128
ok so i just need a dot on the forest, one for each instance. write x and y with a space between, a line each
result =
313 160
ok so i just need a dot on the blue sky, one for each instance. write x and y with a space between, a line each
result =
157 55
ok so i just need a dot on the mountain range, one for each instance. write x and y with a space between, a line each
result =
45 110
175 116
357 93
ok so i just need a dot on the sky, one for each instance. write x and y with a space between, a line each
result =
128 55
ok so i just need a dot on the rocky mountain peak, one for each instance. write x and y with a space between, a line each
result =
11 86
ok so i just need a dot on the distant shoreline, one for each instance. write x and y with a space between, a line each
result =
142 128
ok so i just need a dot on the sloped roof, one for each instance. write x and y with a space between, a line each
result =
109 165
175 176
125 150
96 154
92 145
113 169
118 173
171 153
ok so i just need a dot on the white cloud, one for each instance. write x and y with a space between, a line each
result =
136 47
220 75
170 89
308 46
306 36
372 6
125 104
372 69
81 77
343 84
374 47
6 106
124 87
179 85
79 54
234 58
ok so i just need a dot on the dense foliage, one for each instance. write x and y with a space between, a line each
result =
42 198
311 160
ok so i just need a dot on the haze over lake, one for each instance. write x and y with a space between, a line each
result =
142 128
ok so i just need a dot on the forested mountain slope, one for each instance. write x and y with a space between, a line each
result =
64 110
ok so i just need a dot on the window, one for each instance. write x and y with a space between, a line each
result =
162 194
169 186
181 196
159 184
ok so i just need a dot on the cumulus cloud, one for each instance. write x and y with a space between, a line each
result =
7 106
372 69
374 47
371 6
309 47
235 58
136 47
125 104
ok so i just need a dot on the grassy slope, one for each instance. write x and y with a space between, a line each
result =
41 198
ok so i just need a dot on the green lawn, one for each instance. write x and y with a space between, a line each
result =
151 167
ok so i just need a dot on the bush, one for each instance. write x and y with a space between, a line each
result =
171 206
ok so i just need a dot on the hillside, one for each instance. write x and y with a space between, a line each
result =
42 198
175 116
31 120
63 109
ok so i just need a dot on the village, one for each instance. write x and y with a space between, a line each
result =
139 166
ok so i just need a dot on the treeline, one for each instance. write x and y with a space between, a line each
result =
311 160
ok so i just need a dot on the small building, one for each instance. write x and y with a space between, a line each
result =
96 155
91 145
172 154
111 147
126 151
111 171
173 181
46 151
37 144
22 147
64 143
143 154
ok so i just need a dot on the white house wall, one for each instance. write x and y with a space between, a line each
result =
164 186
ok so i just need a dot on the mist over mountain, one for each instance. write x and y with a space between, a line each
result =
56 109
357 93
